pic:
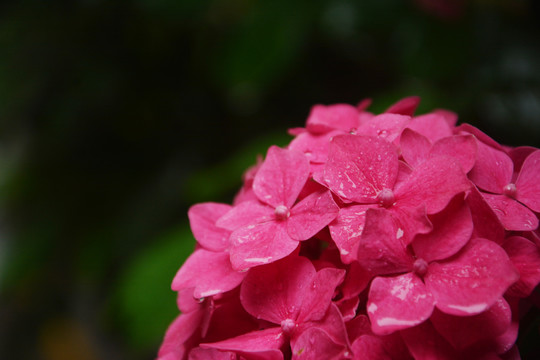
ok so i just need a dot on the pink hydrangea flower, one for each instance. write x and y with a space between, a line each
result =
390 236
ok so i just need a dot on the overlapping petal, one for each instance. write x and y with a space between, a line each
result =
359 167
281 177
527 183
314 342
433 183
398 302
464 331
512 215
202 219
261 345
260 244
473 280
323 119
208 272
452 228
347 229
311 215
526 258
493 169
381 249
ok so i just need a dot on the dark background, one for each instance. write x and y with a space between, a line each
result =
116 116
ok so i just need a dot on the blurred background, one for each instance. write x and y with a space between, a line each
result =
116 116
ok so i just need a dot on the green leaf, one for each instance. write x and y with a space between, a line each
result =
147 305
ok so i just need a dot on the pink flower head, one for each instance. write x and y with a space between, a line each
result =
390 236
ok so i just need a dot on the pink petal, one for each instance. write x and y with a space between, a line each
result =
414 147
317 171
172 356
182 328
465 129
450 117
359 167
493 169
393 344
405 106
210 354
486 224
519 154
370 347
425 343
296 131
314 343
186 302
314 146
260 344
526 258
364 117
245 194
464 331
433 183
311 214
452 228
506 341
228 311
319 295
245 213
281 177
332 324
348 307
346 231
277 291
356 280
461 148
397 303
209 272
358 326
364 104
311 187
528 183
473 280
260 244
381 249
433 126
534 236
384 126
404 171
396 348
411 221
511 213
202 219
323 118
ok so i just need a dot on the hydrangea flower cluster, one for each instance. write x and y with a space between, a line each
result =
388 236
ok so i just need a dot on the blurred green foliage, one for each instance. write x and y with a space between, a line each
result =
145 301
116 116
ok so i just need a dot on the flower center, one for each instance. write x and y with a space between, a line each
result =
288 326
510 190
282 213
386 198
420 267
